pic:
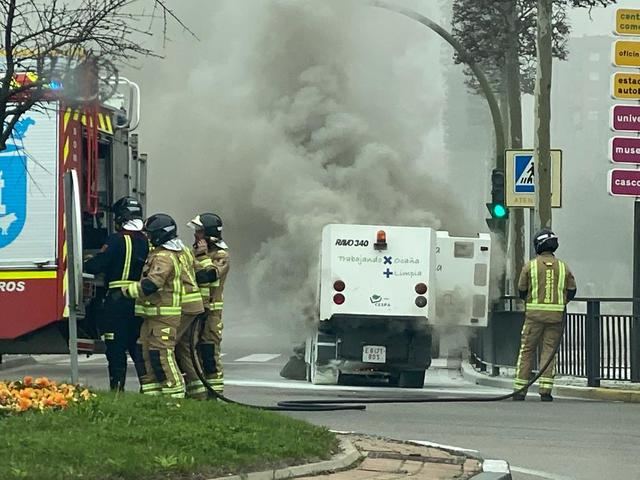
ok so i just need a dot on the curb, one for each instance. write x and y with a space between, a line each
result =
491 469
586 393
341 461
20 361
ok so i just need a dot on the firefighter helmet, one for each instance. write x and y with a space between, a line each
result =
545 241
160 228
210 223
126 209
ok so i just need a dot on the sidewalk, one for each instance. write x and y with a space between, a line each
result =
384 459
574 387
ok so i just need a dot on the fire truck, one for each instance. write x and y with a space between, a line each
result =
95 141
382 289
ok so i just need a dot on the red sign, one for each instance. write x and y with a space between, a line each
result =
625 118
624 150
624 183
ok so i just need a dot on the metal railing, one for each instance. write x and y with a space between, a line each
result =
596 346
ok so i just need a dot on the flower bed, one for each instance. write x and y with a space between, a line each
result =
39 394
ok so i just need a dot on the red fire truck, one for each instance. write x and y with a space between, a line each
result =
96 140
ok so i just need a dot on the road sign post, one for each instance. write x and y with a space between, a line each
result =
626 118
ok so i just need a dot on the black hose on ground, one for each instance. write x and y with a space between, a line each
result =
331 405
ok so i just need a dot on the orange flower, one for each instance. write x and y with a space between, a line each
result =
43 382
27 381
24 404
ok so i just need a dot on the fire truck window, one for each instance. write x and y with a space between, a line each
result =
96 228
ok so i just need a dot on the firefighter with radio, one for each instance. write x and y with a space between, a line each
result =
547 285
158 297
212 253
121 260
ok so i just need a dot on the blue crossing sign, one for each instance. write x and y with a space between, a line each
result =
524 174
520 184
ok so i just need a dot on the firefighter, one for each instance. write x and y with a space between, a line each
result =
211 251
547 285
159 297
192 307
121 260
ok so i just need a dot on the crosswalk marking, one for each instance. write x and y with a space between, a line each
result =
259 357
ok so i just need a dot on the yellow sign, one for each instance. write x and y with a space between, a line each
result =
520 179
625 86
627 21
626 53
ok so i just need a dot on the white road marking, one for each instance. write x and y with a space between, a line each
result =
537 473
300 385
259 357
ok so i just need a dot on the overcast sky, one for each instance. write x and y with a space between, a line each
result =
602 20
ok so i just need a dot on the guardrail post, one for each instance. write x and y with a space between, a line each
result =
592 340
634 342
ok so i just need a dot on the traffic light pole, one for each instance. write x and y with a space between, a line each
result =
499 228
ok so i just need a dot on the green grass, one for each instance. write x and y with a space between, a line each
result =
136 437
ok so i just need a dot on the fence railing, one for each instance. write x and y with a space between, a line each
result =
597 344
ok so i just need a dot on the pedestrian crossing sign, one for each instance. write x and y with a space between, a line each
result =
520 187
524 173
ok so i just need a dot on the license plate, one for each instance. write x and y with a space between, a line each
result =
374 354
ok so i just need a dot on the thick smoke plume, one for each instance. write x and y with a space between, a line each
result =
289 115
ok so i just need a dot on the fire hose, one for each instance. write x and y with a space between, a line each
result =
331 405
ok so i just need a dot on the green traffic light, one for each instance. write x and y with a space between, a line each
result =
499 211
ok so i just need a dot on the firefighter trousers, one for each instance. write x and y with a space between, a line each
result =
209 349
187 336
120 329
537 334
161 376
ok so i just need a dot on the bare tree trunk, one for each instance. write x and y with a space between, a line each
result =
512 69
542 144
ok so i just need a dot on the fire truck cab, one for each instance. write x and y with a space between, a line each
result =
97 142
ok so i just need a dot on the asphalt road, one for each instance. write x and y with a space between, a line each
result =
569 439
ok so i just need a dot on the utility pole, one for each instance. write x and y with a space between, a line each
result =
542 142
514 101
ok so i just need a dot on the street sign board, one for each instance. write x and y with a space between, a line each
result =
626 53
625 118
627 21
624 183
625 86
624 150
520 181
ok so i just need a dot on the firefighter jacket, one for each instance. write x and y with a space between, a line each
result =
217 258
159 291
121 259
547 285
192 303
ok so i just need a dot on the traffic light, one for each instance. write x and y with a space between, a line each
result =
497 208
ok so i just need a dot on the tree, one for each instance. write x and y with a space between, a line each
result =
502 36
68 46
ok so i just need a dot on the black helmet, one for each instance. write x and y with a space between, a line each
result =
210 223
160 228
125 209
545 241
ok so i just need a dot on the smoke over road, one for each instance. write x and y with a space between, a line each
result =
287 116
